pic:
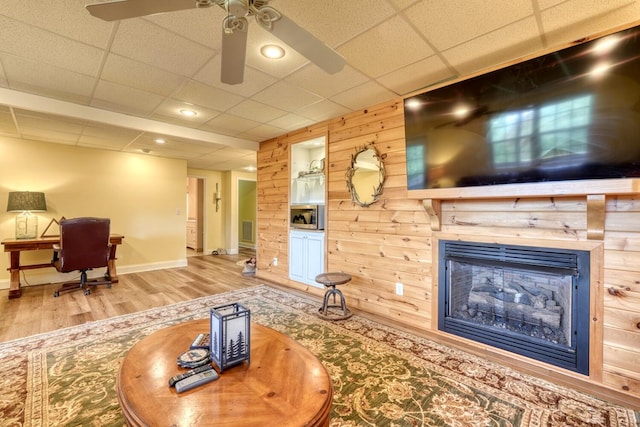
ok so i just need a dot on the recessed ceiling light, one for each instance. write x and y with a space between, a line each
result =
160 140
250 168
272 51
187 112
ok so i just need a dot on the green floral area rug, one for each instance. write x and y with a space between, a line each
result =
381 376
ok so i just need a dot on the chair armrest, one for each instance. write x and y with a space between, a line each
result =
56 252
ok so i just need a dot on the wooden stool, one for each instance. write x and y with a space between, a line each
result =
330 280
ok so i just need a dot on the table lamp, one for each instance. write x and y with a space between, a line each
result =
26 202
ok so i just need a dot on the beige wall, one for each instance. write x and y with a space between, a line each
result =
143 195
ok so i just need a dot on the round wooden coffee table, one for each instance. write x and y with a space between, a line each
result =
284 385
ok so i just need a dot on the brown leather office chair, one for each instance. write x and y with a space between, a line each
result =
84 245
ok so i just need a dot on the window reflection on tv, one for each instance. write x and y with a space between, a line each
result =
569 115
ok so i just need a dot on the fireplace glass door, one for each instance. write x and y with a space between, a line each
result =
531 301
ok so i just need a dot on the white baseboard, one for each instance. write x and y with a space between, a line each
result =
45 278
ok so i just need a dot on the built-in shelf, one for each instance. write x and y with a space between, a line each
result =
595 191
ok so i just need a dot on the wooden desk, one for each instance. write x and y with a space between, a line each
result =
15 246
285 384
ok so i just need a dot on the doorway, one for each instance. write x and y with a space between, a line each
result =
247 208
195 214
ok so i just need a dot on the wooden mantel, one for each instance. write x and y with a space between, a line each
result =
595 191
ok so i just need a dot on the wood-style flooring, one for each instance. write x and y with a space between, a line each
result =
38 311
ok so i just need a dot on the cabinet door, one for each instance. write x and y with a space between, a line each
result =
306 256
315 257
297 256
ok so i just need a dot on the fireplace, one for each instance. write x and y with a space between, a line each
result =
531 301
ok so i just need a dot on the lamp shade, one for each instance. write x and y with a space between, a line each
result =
26 201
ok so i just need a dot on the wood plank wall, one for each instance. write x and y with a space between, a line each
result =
391 241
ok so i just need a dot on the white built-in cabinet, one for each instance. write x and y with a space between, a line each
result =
306 248
306 256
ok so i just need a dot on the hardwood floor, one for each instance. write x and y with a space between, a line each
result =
38 311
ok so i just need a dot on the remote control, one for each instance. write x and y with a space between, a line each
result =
196 380
173 380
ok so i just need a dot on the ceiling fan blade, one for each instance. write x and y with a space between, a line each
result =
300 39
234 50
123 9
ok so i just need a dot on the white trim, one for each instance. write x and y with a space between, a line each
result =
55 277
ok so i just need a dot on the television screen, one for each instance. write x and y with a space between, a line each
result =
568 115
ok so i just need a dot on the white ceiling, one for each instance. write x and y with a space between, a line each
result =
69 78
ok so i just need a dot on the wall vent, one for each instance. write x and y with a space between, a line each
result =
247 231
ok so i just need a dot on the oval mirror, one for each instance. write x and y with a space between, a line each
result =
365 176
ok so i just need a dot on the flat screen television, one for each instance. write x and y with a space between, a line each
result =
568 115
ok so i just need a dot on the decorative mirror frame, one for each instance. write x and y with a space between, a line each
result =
377 191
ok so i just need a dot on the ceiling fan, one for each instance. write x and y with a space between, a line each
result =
234 29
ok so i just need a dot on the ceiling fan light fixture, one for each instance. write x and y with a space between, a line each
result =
272 51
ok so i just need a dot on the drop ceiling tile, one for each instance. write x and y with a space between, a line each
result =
588 17
319 82
48 135
104 131
366 95
145 42
207 96
403 4
291 122
203 25
181 149
336 21
394 40
7 124
323 110
287 97
227 154
169 111
3 77
417 76
115 97
229 124
263 132
102 143
127 72
254 80
46 80
67 18
450 23
42 46
32 120
257 111
498 47
99 135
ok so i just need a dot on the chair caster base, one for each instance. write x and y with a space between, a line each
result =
56 294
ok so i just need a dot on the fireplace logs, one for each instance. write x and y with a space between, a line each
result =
533 306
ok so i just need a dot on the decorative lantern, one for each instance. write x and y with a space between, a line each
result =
230 335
